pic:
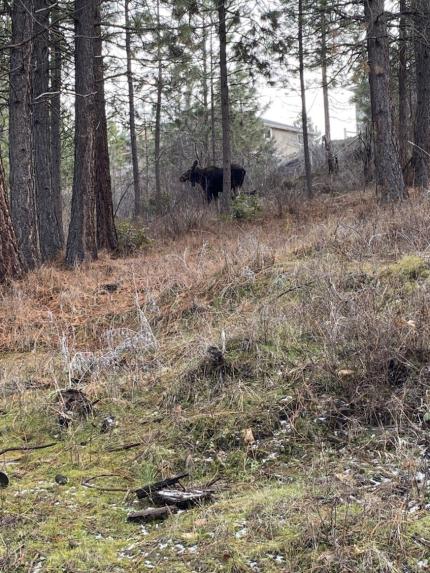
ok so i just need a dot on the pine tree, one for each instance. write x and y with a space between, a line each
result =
81 242
225 107
106 232
23 206
389 177
132 114
421 153
50 235
10 261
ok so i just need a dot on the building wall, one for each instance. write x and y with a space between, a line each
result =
286 142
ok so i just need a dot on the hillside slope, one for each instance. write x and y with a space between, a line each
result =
286 360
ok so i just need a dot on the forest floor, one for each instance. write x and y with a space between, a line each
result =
313 416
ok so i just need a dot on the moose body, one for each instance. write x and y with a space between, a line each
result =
211 179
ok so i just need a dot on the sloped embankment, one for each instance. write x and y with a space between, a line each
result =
289 362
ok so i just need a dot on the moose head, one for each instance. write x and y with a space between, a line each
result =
191 175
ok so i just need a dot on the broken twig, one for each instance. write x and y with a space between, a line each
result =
27 448
152 514
89 483
125 447
148 490
181 499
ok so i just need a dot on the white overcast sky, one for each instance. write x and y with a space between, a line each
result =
284 105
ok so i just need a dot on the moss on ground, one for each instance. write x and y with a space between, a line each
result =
409 268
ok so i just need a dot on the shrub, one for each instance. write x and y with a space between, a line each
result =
131 237
246 207
410 267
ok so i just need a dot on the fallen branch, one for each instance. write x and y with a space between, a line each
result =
152 514
125 447
294 288
181 499
27 448
213 481
88 483
148 490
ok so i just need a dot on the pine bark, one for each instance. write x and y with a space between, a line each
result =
212 88
205 90
389 175
81 242
56 68
157 134
308 165
421 158
403 77
23 206
106 232
132 115
225 109
325 87
10 261
49 227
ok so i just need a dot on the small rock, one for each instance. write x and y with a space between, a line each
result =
108 424
72 404
397 372
110 287
216 355
61 480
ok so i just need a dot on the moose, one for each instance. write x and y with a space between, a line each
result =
211 179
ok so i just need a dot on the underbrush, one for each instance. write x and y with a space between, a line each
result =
289 363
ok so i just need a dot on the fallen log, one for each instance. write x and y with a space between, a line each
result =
181 499
149 490
152 514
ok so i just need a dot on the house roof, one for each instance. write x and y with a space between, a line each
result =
282 126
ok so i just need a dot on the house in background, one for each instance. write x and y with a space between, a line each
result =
287 139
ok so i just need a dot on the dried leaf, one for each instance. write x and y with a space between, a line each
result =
248 436
345 373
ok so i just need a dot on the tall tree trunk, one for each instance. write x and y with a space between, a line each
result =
49 231
404 127
106 232
10 260
81 242
146 142
388 171
308 165
212 87
421 159
23 208
132 119
324 66
157 140
56 67
225 109
157 134
205 90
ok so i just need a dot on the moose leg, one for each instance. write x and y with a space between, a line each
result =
207 190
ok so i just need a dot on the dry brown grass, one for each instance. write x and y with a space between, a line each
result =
183 277
35 311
